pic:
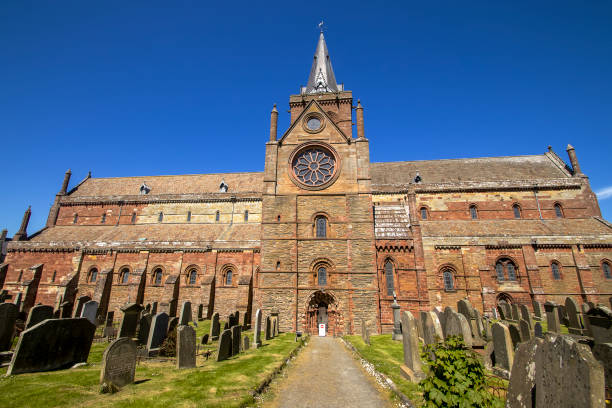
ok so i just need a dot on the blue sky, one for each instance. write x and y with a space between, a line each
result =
128 88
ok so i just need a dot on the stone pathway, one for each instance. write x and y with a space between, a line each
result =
325 375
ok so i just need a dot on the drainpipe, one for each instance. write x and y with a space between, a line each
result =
535 193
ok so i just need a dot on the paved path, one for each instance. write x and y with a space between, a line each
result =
325 375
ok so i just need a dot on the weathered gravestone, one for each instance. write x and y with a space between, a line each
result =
215 327
397 329
8 316
440 313
90 310
18 300
205 339
158 331
504 352
274 327
172 323
502 312
552 317
448 311
523 377
51 345
495 313
200 312
144 328
567 375
411 369
603 354
365 333
537 330
245 343
246 322
257 331
37 314
225 346
525 315
515 335
185 347
562 315
457 325
479 325
537 309
119 363
515 312
66 310
525 330
226 326
585 321
268 331
154 308
432 330
79 305
185 317
236 338
130 320
573 315
600 321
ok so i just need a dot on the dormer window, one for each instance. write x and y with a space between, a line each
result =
223 187
144 189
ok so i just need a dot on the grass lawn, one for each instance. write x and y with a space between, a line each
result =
387 356
229 383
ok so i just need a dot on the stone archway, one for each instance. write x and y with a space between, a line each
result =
505 298
322 307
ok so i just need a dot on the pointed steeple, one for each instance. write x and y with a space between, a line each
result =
321 77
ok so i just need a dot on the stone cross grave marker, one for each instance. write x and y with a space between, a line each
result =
215 327
119 363
225 346
411 369
37 314
185 347
90 310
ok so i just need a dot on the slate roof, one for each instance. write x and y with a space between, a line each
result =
391 222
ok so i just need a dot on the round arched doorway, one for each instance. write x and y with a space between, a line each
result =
504 297
322 308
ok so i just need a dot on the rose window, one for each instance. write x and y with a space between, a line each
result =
314 166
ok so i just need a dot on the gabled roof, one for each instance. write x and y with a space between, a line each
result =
304 112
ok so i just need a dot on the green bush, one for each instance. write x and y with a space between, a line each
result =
455 377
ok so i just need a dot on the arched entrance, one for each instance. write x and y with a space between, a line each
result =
504 297
322 308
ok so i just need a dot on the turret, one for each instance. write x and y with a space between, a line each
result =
360 131
22 234
571 152
65 183
273 124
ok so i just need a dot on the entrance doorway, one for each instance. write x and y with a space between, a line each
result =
322 309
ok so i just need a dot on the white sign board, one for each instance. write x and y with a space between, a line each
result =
322 330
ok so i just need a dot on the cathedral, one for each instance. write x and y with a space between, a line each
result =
322 235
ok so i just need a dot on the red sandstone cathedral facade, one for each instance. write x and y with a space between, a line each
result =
322 235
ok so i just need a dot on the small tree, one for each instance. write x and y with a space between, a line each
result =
456 377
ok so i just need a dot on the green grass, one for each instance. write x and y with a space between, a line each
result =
229 383
387 356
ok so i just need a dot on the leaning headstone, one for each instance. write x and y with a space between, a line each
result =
268 328
562 315
525 330
457 325
567 375
448 311
185 347
131 312
257 330
215 327
523 376
66 310
200 312
365 333
37 314
52 345
552 317
504 352
465 308
245 343
585 321
411 369
432 330
515 335
537 309
225 346
397 330
573 315
158 331
79 305
205 339
502 312
8 317
172 323
236 338
537 330
185 317
507 310
440 313
90 311
515 312
144 328
154 308
525 315
600 320
119 363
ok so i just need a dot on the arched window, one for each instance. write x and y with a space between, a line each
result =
278 218
193 276
278 265
188 216
423 213
449 282
246 215
389 277
75 218
322 276
93 275
54 276
157 276
321 226
606 270
558 210
228 277
505 269
160 217
473 212
103 219
517 211
133 220
124 276
556 273
217 216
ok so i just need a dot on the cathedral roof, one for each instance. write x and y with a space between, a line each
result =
321 78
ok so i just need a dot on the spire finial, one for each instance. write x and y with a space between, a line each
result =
321 26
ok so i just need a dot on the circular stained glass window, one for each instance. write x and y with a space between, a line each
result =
313 123
314 166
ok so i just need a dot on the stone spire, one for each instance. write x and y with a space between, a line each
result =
321 77
22 234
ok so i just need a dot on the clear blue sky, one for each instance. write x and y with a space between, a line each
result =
128 88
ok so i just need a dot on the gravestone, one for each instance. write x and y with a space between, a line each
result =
185 317
515 335
494 313
537 309
397 330
18 301
246 322
172 323
562 315
487 329
515 312
504 352
90 311
585 321
158 331
552 317
525 315
144 328
148 308
365 333
603 354
567 374
185 347
110 317
8 317
523 376
457 325
79 305
226 326
448 311
502 312
37 314
119 363
411 369
268 331
507 310
465 308
274 327
537 330
215 327
432 330
154 308
131 312
245 343
525 330
257 334
440 313
225 346
573 315
66 310
479 324
600 321
52 345
200 312
205 339
236 338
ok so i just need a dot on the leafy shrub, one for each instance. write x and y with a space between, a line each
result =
168 346
456 377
